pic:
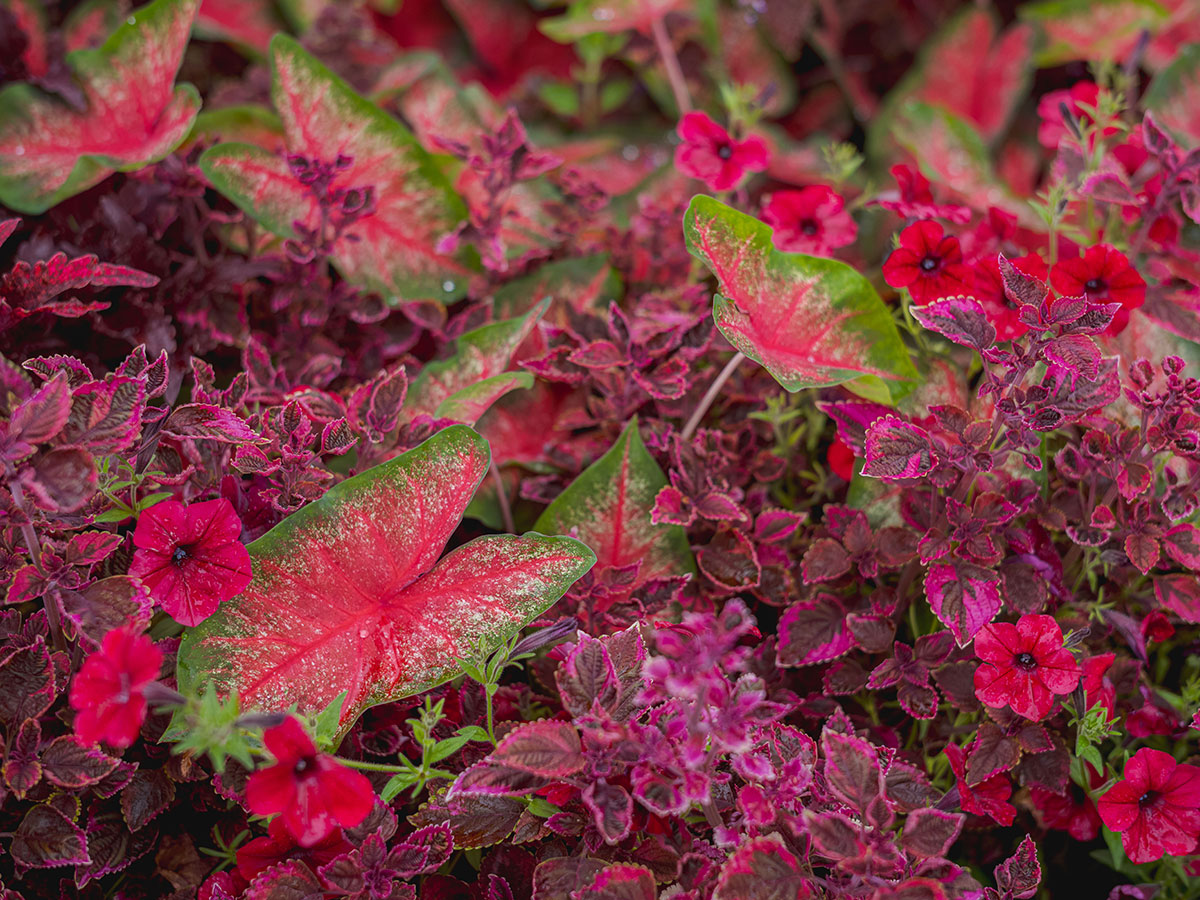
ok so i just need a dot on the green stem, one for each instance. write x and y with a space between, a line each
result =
666 50
707 400
370 766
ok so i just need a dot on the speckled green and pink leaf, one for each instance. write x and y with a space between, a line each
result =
394 248
135 114
809 321
609 507
349 594
463 386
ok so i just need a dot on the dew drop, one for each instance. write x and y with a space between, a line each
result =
363 633
447 286
132 20
602 15
18 150
630 152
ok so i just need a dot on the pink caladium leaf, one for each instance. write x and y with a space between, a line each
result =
763 868
976 72
896 449
809 321
349 595
959 319
964 596
134 112
609 507
463 386
390 247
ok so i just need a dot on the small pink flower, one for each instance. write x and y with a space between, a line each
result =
1156 808
929 263
710 153
190 558
108 693
1053 128
313 792
1024 666
1104 275
812 220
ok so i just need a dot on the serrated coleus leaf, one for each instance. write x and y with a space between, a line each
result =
763 868
964 596
960 319
391 248
609 507
349 594
134 114
463 386
809 321
897 449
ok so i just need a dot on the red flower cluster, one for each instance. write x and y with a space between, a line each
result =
1103 275
311 791
108 693
710 153
191 557
1024 666
1156 808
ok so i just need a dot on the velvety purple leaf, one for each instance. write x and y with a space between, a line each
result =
27 683
1180 594
46 839
106 604
896 449
824 560
835 836
289 880
813 631
145 797
853 418
203 421
22 768
622 881
930 832
1020 288
965 597
992 752
1182 543
730 560
587 677
762 868
1077 353
70 764
612 809
559 877
106 415
63 480
852 770
475 820
547 748
1020 875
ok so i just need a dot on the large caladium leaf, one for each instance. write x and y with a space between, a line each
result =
464 385
809 321
392 248
134 113
349 595
609 507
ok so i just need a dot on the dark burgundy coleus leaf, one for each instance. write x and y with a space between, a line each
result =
813 631
959 319
46 838
1019 876
897 449
349 595
930 832
133 113
964 596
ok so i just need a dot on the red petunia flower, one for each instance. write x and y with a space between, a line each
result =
1053 129
840 459
1024 666
913 199
190 557
312 791
1157 627
710 153
109 691
1072 812
989 291
1156 808
261 853
928 263
1097 688
1104 275
812 220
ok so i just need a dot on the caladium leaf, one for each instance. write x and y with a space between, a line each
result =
348 593
609 507
134 113
809 321
391 248
463 386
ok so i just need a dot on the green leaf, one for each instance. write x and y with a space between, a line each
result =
135 115
609 507
325 723
393 248
349 594
810 321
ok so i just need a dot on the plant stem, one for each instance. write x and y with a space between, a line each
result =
707 400
666 50
370 766
506 515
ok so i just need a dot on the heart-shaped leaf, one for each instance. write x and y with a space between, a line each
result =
810 321
134 114
349 595
609 505
390 248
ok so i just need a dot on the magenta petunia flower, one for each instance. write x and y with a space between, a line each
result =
1104 275
108 693
710 153
929 263
812 220
1156 808
313 793
190 558
1024 666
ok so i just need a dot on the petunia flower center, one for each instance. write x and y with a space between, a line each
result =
305 765
725 151
809 227
1148 799
929 263
1095 286
1025 661
181 553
